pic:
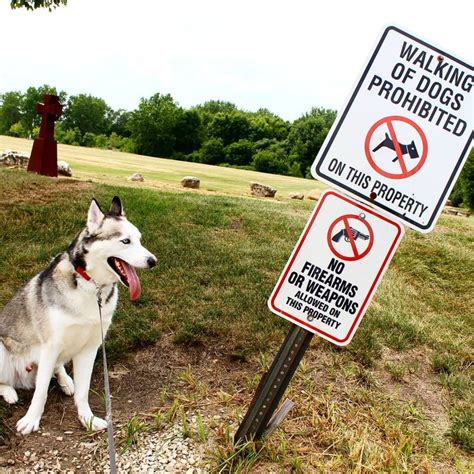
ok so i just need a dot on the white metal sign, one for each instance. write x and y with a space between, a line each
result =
405 132
336 267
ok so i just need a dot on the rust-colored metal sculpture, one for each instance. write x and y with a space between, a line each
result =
44 155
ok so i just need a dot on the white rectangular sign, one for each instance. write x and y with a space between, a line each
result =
336 267
405 132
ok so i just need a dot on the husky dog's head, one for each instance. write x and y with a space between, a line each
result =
110 248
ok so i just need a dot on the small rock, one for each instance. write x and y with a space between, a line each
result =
314 194
64 169
45 434
59 438
69 432
14 158
296 195
136 177
191 182
262 190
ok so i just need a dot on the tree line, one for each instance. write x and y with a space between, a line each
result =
216 132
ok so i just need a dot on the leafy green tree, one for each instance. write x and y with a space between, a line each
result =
467 181
188 131
10 110
230 127
463 191
212 151
264 124
34 4
87 113
308 134
239 153
214 106
120 122
153 125
34 95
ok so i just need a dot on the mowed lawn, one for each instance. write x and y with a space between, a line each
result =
114 167
399 398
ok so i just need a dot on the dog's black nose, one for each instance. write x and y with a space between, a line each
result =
151 262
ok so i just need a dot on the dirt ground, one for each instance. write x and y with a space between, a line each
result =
137 386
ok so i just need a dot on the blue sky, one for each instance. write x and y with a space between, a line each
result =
286 56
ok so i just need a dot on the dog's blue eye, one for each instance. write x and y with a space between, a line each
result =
125 241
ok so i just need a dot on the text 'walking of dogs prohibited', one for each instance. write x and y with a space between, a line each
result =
335 268
405 132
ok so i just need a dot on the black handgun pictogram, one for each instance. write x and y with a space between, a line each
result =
355 235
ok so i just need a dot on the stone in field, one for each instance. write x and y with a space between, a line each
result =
296 195
136 177
64 169
262 190
314 194
15 159
191 182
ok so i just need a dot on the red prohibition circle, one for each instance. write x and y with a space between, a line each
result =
404 173
356 255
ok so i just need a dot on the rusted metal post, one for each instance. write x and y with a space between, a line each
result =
44 155
273 385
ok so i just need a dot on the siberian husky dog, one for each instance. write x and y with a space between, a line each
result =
54 318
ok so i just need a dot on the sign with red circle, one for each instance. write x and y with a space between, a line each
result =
400 141
350 237
396 147
334 269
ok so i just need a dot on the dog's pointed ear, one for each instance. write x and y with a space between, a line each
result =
116 208
95 216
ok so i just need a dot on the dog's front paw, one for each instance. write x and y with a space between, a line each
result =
93 423
28 424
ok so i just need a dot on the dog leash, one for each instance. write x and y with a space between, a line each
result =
108 399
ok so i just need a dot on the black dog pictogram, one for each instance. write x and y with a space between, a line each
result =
410 148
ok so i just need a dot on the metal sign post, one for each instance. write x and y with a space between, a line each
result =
325 288
273 385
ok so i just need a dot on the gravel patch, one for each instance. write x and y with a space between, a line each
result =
165 451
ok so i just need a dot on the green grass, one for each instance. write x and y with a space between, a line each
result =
115 167
219 258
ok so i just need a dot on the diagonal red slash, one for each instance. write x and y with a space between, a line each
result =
350 236
393 136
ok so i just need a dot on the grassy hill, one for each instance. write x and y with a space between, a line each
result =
114 167
399 398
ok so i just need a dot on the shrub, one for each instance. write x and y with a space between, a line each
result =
195 157
72 137
295 170
463 191
268 161
127 145
17 130
456 196
89 139
212 151
101 140
239 153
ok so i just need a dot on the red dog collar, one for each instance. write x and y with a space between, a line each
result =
83 273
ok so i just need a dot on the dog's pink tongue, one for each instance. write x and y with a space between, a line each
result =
133 281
